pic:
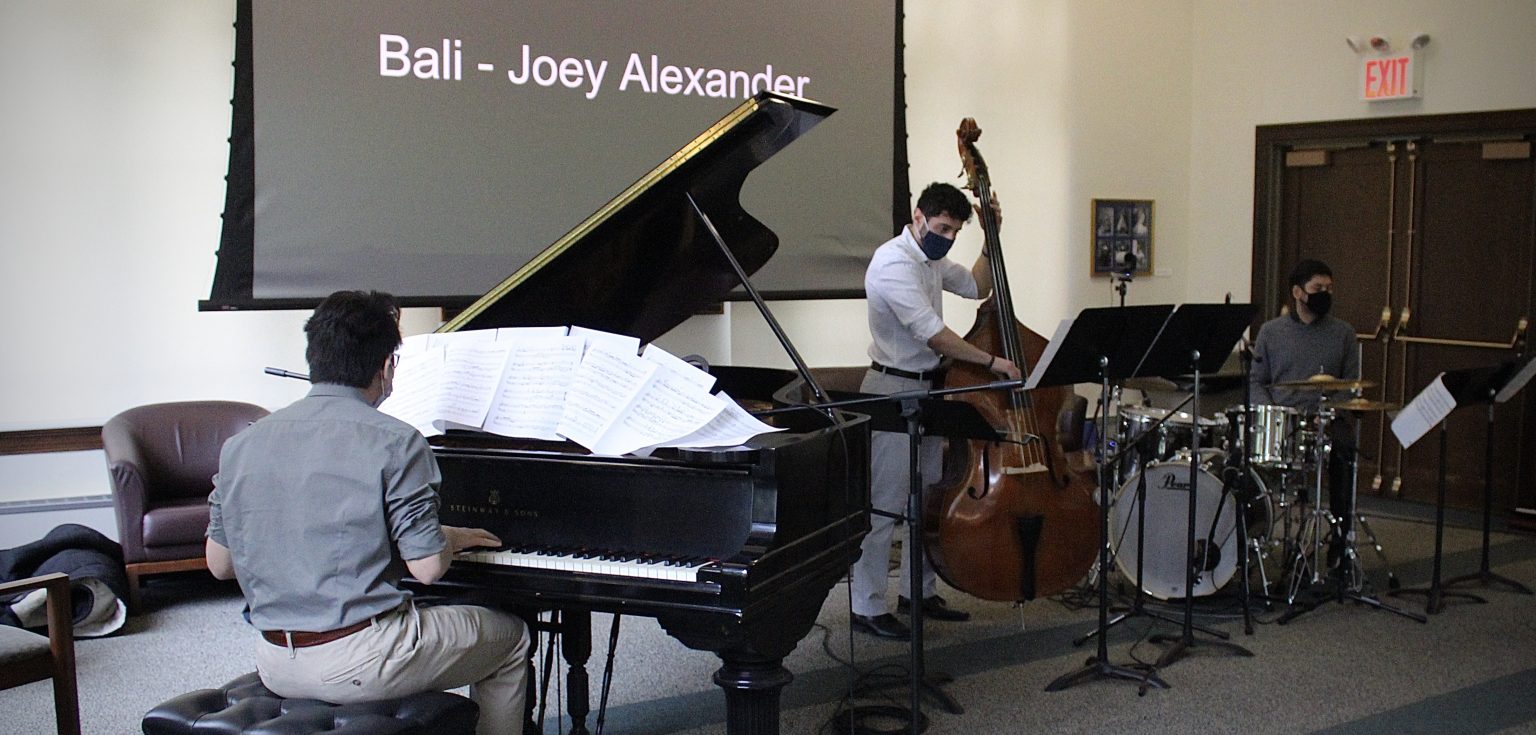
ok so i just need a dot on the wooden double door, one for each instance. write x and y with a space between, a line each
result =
1429 226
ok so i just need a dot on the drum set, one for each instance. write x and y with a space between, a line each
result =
1283 504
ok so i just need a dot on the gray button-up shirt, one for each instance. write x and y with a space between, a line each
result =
906 302
319 504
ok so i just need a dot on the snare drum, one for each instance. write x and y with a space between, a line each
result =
1182 428
1274 435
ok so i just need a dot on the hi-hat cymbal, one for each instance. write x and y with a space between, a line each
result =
1326 383
1361 404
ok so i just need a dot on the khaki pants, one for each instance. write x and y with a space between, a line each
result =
409 651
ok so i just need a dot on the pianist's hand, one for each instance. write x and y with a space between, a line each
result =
460 539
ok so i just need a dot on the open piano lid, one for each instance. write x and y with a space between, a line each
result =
644 262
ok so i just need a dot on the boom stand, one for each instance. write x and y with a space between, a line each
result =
1192 331
1483 577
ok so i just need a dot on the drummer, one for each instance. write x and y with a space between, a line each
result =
1304 344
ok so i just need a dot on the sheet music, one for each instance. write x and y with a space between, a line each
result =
530 398
673 404
1516 383
605 382
591 387
730 427
416 388
1049 353
1427 409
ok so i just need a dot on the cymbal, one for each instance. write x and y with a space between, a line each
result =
1361 404
1151 383
1326 383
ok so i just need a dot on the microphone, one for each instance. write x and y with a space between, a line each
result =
281 373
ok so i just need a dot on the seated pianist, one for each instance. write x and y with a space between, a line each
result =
321 509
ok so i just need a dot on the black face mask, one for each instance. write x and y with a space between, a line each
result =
935 246
1319 303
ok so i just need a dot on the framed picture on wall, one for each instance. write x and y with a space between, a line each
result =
1122 237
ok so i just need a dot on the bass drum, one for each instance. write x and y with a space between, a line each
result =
1167 527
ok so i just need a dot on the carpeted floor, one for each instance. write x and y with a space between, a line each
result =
1343 668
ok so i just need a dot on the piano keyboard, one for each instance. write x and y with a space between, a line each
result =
678 569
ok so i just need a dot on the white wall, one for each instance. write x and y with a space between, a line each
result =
113 150
1285 61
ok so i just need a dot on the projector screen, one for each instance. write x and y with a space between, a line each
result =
431 149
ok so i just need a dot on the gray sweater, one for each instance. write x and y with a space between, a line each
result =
1288 350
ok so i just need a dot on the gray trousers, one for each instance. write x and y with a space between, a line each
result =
409 651
888 490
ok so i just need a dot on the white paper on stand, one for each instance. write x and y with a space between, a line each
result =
1427 409
417 386
730 427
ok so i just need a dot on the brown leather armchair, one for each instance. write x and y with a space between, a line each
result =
26 657
162 458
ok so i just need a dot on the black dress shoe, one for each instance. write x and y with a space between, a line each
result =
935 608
885 625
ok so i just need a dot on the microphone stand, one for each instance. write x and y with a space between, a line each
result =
1125 277
1185 643
911 412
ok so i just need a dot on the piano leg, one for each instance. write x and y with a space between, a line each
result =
752 688
576 648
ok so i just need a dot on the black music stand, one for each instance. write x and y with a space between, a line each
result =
1511 378
917 413
1465 387
1197 338
1102 344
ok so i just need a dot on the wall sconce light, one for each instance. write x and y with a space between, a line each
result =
1420 40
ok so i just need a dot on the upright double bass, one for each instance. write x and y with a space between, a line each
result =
1010 520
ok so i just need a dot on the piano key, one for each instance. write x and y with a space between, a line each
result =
580 562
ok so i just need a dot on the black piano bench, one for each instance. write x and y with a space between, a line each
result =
245 706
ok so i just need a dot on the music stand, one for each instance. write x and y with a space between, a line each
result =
1092 348
1501 389
1464 388
1198 338
917 413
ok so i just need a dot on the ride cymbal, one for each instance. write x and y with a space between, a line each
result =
1326 383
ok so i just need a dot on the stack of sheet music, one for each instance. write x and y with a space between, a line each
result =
594 388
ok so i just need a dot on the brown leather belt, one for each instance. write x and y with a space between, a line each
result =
908 374
304 639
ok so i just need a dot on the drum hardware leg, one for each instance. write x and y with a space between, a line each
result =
1099 667
1338 586
1392 581
1185 643
1435 593
1483 577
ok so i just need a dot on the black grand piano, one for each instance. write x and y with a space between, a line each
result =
733 550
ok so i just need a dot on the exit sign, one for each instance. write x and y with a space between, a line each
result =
1388 78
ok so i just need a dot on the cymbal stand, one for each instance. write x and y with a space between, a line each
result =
1339 587
1138 448
1099 666
1185 643
1483 577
